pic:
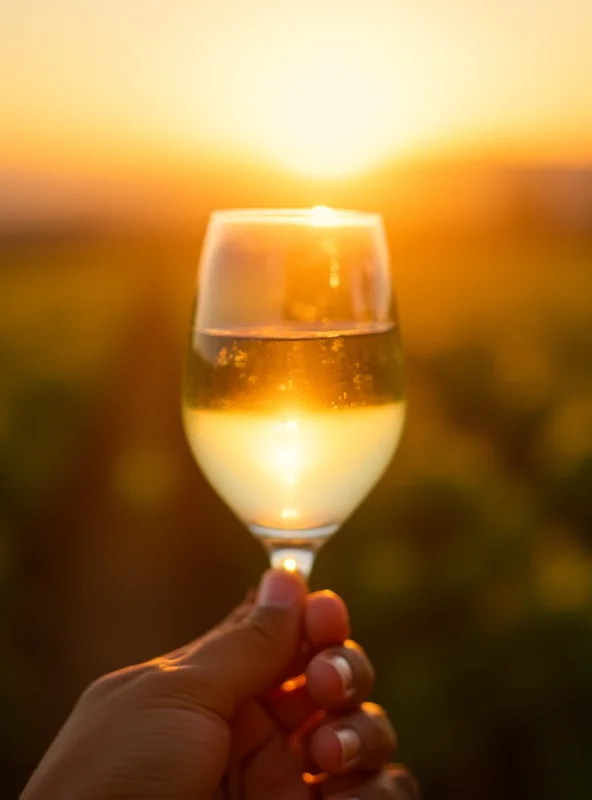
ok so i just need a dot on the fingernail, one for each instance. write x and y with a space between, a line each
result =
280 589
345 673
351 745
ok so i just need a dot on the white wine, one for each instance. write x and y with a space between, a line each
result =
294 470
294 428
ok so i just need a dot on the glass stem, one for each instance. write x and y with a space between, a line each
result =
293 559
294 550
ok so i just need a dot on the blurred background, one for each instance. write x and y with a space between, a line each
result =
469 570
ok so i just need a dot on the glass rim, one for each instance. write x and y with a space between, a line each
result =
316 216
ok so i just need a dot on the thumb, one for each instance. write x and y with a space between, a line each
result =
242 659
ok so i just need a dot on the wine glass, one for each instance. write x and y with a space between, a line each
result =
293 394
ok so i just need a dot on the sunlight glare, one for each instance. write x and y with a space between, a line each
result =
322 112
322 216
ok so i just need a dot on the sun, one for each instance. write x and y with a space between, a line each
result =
323 113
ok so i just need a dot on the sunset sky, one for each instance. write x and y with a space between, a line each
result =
320 86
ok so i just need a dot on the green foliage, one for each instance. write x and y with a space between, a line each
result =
468 571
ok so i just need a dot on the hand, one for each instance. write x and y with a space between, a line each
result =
216 719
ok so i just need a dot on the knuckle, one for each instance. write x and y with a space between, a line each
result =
104 685
373 710
406 786
179 686
166 675
159 678
93 691
389 743
388 789
385 729
356 655
392 739
379 733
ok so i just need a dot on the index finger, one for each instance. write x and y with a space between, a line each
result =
325 624
326 620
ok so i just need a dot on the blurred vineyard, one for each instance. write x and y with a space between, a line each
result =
468 571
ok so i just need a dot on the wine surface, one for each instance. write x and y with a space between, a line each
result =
294 430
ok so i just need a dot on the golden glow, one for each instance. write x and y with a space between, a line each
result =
325 113
290 564
287 456
290 472
327 87
322 216
313 779
293 684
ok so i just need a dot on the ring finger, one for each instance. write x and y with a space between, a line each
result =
361 740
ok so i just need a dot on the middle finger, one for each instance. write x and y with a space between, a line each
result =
340 677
